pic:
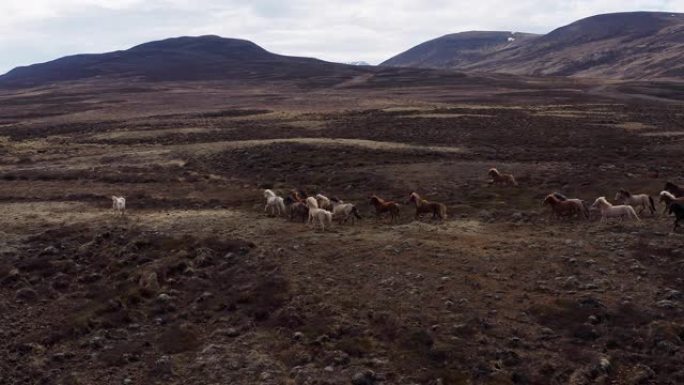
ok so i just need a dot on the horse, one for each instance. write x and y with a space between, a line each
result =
577 201
119 204
438 210
324 202
275 205
642 201
565 208
296 209
678 210
674 189
667 198
311 203
321 216
298 195
344 211
609 211
502 179
383 206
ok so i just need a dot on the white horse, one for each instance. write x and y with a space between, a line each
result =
640 201
321 217
311 203
609 211
344 211
323 202
275 205
119 204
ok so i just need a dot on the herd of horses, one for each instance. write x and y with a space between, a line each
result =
320 211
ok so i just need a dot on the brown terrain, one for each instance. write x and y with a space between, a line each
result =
197 285
631 45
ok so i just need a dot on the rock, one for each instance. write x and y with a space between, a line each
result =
149 281
640 375
12 277
26 295
604 364
61 281
50 250
298 336
666 304
232 332
163 367
163 297
366 377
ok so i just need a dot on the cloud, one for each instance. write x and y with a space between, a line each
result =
337 30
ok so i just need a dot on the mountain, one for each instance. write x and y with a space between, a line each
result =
634 45
459 49
182 58
358 63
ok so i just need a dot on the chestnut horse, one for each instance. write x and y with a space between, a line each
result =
565 208
502 179
438 210
383 206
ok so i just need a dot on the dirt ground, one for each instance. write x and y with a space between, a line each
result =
197 285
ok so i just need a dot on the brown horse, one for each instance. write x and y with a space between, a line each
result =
565 208
502 179
674 189
298 196
438 210
383 206
297 210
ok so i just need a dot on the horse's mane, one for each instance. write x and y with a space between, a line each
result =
552 198
625 192
494 171
667 194
603 200
560 196
335 199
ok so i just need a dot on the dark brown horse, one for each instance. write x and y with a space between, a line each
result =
678 210
383 206
674 189
668 198
438 210
296 209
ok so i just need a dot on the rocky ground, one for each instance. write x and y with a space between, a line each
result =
196 285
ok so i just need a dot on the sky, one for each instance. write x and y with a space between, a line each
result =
33 31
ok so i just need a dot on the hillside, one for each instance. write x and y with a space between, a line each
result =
635 45
182 58
459 49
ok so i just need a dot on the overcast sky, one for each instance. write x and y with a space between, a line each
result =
337 30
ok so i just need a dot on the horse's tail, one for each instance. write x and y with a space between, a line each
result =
650 200
281 206
355 212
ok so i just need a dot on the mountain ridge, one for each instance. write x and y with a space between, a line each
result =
630 45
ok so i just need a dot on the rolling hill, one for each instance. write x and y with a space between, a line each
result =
634 45
182 58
